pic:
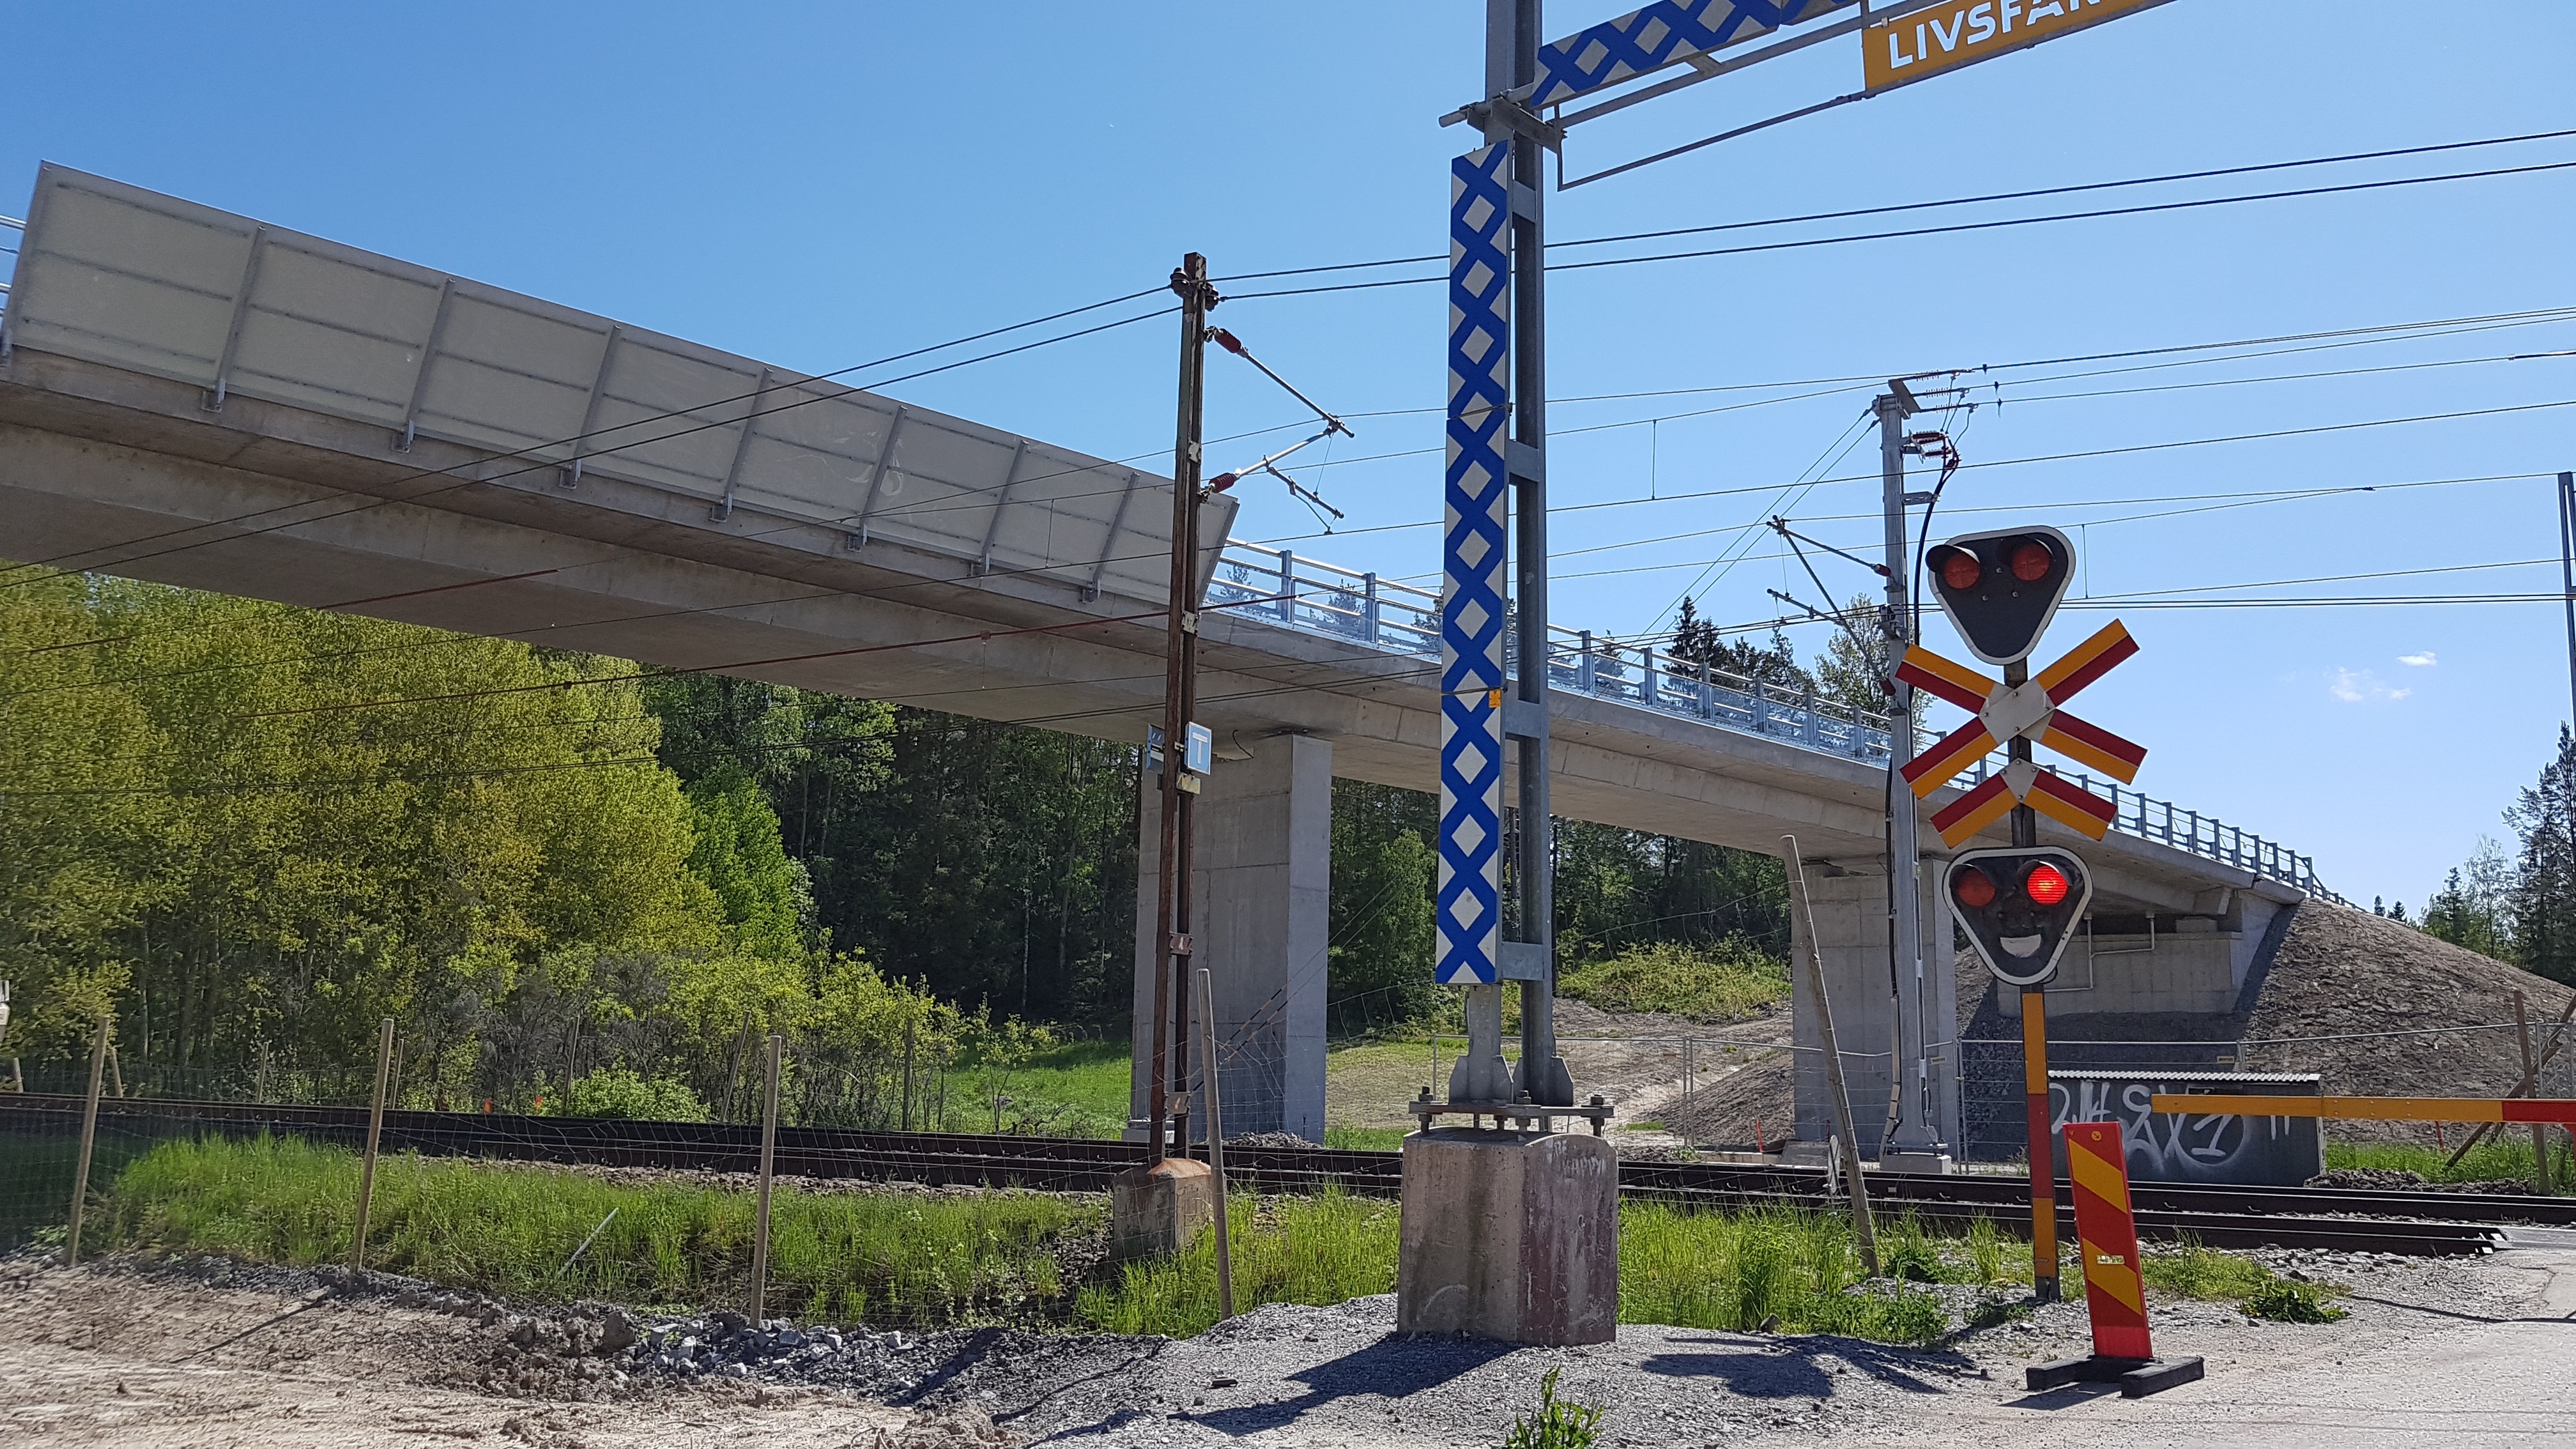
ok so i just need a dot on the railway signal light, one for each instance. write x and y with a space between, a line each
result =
2000 589
2020 907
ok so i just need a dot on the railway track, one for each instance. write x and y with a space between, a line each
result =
2410 1223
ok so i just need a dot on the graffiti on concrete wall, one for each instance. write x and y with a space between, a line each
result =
2182 1147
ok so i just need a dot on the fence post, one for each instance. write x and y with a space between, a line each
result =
2531 1075
1583 668
89 1139
1216 1143
1368 605
768 1156
1287 587
375 1131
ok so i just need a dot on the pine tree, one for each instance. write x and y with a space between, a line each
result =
2544 888
2474 907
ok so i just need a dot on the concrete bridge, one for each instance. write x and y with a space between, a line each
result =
201 399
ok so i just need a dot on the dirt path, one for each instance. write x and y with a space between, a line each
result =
1727 1088
2456 1354
101 1356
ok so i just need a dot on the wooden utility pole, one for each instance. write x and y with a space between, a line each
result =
1216 1142
89 1140
375 1132
2531 1073
768 1158
1173 942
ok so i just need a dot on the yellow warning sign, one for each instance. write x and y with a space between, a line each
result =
1963 32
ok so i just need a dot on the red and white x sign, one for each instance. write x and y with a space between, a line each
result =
2029 711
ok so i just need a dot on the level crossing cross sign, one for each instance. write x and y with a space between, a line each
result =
2030 711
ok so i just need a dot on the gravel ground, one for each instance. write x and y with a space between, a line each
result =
2459 1352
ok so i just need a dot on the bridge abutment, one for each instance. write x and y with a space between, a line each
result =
1849 900
1264 889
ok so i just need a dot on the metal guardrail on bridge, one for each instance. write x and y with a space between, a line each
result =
1283 587
1321 598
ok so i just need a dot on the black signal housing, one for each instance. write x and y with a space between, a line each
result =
2000 589
2020 934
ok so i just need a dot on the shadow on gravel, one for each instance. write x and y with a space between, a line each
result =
2067 1396
1392 1368
1770 1368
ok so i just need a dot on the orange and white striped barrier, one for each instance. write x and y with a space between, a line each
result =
2107 1237
2106 1233
2372 1109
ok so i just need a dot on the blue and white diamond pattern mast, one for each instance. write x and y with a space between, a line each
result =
1472 614
1504 1234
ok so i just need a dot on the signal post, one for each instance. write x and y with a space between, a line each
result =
2019 905
1509 1231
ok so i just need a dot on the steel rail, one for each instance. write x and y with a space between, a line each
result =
2411 1223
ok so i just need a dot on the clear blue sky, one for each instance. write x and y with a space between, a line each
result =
823 184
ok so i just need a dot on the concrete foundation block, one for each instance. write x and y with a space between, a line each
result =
1155 1211
1509 1235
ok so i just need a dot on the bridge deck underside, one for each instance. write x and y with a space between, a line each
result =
127 474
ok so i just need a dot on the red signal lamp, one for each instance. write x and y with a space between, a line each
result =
2031 561
2045 884
1974 888
1960 568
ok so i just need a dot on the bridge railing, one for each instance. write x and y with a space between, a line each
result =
13 235
1284 587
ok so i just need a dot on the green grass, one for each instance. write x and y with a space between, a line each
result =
2190 1270
2284 1301
1077 1089
1797 1271
1726 982
1558 1423
2503 1155
884 1258
901 1258
1366 1139
1317 1250
36 1184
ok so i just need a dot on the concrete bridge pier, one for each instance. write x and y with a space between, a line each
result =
1849 899
1265 867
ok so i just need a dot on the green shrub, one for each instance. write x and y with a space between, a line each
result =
618 1092
1728 981
1558 1423
2287 1301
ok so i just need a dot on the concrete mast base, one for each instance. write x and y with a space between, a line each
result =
1155 1212
1509 1235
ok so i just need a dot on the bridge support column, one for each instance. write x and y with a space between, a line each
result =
1849 900
1265 832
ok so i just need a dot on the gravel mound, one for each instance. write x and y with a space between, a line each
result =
2347 973
1283 1141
